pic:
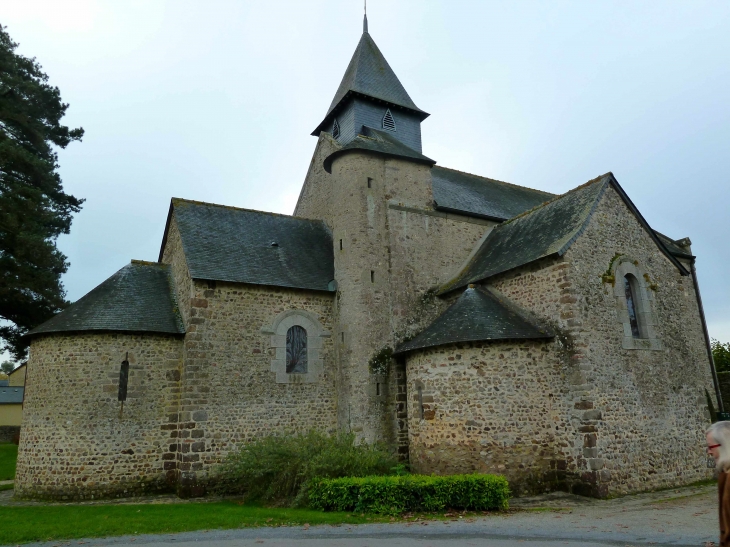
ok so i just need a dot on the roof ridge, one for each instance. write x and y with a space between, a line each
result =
556 198
460 280
146 263
234 208
496 180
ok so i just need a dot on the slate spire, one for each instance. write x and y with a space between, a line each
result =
369 76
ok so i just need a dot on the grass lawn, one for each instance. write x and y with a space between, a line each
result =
8 456
25 524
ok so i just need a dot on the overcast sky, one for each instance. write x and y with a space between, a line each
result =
215 101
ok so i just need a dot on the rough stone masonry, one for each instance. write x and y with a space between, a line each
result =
470 324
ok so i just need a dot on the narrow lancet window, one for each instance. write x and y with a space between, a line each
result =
631 307
296 350
336 129
388 121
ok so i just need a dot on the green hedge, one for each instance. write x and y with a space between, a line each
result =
397 494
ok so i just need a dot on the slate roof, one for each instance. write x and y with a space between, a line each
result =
673 246
377 142
370 74
138 298
11 395
477 315
546 230
459 192
244 246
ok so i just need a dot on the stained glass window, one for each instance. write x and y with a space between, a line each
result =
631 308
296 350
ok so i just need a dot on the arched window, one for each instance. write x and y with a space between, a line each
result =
630 291
634 300
388 121
336 129
296 350
296 338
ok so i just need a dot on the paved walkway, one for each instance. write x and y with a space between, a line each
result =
680 517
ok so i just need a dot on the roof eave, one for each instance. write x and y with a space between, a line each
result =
404 349
353 94
332 157
32 335
447 288
462 212
281 285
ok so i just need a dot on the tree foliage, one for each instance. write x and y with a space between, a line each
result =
7 367
721 355
34 209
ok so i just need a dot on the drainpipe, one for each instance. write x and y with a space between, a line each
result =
721 415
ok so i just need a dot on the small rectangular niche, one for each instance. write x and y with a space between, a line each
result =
340 245
342 336
370 182
372 276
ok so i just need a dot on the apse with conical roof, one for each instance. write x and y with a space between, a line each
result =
371 96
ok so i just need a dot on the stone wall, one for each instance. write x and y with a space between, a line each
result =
74 444
622 417
174 255
427 248
230 392
650 404
390 247
489 408
315 197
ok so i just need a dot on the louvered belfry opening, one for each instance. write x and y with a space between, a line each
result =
388 121
336 129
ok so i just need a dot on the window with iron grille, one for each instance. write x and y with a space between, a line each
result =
388 121
336 129
296 350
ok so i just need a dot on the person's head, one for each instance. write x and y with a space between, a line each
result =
718 443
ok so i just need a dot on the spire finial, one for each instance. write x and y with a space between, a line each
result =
365 19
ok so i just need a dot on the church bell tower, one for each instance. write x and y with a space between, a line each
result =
370 96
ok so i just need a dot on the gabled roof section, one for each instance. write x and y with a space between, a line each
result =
370 75
547 230
464 193
673 246
380 143
138 298
244 246
477 315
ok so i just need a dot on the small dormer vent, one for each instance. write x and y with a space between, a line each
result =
336 129
388 121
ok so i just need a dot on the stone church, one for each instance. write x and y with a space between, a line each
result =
470 324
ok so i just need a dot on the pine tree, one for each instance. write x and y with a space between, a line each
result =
34 209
